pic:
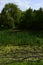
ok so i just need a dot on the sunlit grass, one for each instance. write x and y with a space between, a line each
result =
9 52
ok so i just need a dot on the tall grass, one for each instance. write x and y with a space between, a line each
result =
20 38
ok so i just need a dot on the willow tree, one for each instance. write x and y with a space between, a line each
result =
10 15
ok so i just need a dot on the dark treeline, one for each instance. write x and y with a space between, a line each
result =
12 17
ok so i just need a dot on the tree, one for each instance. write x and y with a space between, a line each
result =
0 19
38 19
10 13
22 23
28 18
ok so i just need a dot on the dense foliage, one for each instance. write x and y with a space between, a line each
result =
12 17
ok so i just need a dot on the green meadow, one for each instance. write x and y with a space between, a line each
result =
17 45
21 38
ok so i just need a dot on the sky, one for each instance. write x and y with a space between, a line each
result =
23 4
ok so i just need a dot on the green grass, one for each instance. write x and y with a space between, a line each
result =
32 40
26 63
20 38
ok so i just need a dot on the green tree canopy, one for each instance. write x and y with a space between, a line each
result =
10 13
